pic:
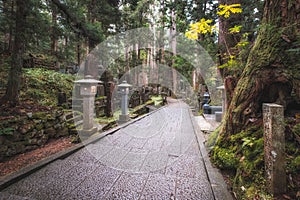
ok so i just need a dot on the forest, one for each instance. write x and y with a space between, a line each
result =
254 45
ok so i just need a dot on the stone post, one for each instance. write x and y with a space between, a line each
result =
124 87
274 148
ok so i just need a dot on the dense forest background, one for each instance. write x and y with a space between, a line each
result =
256 51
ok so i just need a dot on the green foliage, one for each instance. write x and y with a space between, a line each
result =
213 137
225 158
7 131
296 129
295 165
244 154
183 67
42 86
158 100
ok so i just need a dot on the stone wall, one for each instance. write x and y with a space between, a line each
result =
29 132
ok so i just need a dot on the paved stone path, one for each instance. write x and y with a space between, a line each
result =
157 157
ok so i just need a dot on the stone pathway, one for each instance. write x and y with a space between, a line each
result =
157 157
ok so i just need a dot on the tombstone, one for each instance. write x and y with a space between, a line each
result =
109 88
274 148
61 98
222 88
100 91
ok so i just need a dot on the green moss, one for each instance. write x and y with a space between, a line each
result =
213 138
225 158
7 131
295 165
40 115
243 153
42 86
158 100
296 129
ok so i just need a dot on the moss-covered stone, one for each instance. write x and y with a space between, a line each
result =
39 115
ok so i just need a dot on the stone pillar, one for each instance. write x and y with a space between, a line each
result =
274 148
124 87
88 112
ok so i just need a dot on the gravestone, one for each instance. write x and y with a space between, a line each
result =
109 88
61 98
274 148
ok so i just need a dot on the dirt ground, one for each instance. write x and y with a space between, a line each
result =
17 162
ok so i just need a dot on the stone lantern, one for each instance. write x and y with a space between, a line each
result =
124 89
88 90
206 107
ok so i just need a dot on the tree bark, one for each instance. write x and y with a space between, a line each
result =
14 79
54 38
272 73
226 43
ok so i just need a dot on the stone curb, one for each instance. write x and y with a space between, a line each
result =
10 179
218 185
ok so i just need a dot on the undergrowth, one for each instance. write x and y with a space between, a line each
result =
42 86
243 155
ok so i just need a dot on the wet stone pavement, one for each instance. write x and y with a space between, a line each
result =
157 157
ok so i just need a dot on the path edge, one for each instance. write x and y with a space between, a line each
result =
218 185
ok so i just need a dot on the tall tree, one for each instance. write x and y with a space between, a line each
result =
7 8
13 86
272 70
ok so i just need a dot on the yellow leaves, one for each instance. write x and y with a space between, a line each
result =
235 29
231 63
202 27
242 43
192 34
226 10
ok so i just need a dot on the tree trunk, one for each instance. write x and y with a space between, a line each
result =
54 39
14 79
272 70
226 43
8 12
173 44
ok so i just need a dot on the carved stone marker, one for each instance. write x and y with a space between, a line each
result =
274 148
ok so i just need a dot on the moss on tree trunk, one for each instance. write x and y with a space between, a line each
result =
272 70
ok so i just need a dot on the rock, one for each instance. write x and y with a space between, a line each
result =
2 140
51 132
3 149
49 124
31 147
73 131
62 132
42 140
33 141
25 128
39 115
19 147
39 127
57 126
